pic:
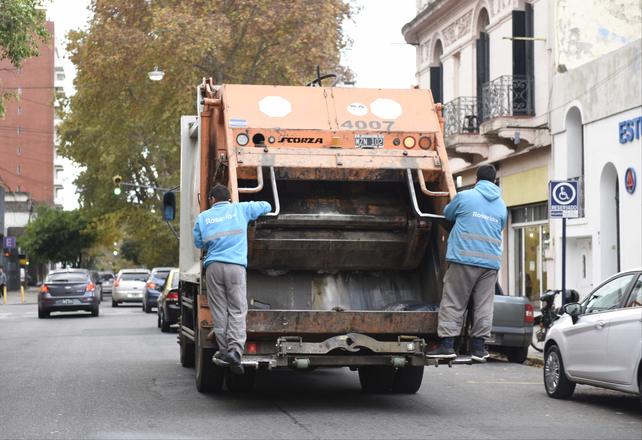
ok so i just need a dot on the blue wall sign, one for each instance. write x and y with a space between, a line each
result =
630 180
630 129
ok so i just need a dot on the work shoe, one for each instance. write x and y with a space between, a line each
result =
480 355
234 359
442 353
221 359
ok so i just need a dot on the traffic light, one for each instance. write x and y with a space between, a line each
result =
117 179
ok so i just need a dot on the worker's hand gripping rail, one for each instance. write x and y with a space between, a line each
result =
415 206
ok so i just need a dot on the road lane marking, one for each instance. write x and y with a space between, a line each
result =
510 383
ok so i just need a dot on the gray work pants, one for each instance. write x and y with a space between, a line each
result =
226 293
460 284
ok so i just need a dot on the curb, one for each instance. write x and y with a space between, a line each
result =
536 360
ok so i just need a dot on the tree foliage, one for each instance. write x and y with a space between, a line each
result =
120 122
59 236
22 24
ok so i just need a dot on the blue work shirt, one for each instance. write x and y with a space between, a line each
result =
222 230
480 216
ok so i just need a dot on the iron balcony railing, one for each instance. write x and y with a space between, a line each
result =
508 95
462 115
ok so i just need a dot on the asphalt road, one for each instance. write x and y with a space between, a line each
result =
117 376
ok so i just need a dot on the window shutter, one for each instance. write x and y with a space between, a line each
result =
483 70
519 46
436 82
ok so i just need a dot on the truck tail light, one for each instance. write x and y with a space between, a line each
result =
151 285
44 289
90 287
172 296
529 313
409 142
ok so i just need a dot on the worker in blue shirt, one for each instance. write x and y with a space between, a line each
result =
474 255
222 231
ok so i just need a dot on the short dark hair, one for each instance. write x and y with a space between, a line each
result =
220 193
486 172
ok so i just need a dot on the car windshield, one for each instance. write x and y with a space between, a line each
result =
162 274
134 276
67 278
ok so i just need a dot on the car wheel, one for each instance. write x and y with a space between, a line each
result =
408 379
517 355
555 381
376 378
164 325
148 309
95 312
187 351
239 383
209 377
144 306
114 303
42 314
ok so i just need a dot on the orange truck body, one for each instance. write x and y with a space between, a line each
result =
358 180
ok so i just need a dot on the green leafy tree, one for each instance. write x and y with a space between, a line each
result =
59 236
120 122
22 24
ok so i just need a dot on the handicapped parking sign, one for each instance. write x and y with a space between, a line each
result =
563 200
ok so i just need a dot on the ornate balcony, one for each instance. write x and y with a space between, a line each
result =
508 96
461 115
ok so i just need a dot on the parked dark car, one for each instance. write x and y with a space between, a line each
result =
153 287
168 309
68 290
98 282
108 281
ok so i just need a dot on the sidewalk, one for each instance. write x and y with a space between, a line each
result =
535 356
14 296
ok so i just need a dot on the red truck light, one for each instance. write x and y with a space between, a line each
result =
252 348
529 313
409 142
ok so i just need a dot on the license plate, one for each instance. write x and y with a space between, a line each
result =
134 295
368 141
67 301
492 338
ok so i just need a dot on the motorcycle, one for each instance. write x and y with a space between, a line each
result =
549 314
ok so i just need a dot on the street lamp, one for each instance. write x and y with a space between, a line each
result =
156 75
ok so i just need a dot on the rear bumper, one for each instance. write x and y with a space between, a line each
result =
511 336
172 312
56 305
126 296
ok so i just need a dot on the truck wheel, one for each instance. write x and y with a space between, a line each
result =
209 377
163 322
517 355
239 383
376 378
555 381
187 352
408 380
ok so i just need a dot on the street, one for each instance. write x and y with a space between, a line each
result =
118 376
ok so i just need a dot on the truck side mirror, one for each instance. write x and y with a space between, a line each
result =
169 206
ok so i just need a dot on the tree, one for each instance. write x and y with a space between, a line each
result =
120 122
58 236
22 24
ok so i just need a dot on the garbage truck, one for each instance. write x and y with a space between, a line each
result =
347 268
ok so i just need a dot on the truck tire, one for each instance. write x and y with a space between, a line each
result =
376 378
408 380
164 325
187 352
555 381
517 355
209 377
240 383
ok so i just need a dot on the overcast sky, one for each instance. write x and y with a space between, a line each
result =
378 56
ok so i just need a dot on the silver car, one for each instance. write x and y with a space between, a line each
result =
599 340
129 285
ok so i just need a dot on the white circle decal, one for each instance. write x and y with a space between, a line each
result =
357 109
561 196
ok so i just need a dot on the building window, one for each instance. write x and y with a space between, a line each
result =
18 169
19 70
60 77
531 240
19 110
19 150
19 90
18 189
437 73
19 130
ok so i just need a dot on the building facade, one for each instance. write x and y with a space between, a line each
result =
492 63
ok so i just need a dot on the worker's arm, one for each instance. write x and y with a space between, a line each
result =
198 238
450 211
254 210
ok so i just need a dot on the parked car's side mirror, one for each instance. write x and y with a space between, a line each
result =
99 281
574 310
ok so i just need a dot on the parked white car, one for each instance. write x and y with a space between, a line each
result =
129 286
599 340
